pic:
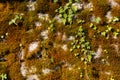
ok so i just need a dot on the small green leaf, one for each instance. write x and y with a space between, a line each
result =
71 49
51 59
94 28
115 19
80 29
64 21
65 15
74 8
97 20
91 25
78 46
103 33
89 58
55 1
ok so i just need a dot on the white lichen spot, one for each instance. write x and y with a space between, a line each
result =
44 34
23 69
58 19
33 46
68 66
43 16
27 70
38 24
116 48
33 77
46 71
109 16
88 6
64 37
108 73
79 6
98 53
115 37
31 5
113 3
92 18
21 54
64 47
71 38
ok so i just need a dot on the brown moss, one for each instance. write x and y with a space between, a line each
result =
100 8
85 15
118 1
14 72
116 11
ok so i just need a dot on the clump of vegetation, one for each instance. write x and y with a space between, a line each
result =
16 20
67 12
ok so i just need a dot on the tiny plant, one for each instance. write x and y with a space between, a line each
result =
67 12
55 1
115 19
97 20
81 43
17 19
3 76
51 27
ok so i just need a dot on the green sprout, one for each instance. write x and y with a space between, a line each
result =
18 17
97 20
67 12
3 76
94 27
55 1
52 60
115 19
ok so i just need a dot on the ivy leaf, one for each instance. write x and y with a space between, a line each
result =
74 8
115 19
91 25
89 58
80 29
64 21
12 22
65 15
103 33
97 20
